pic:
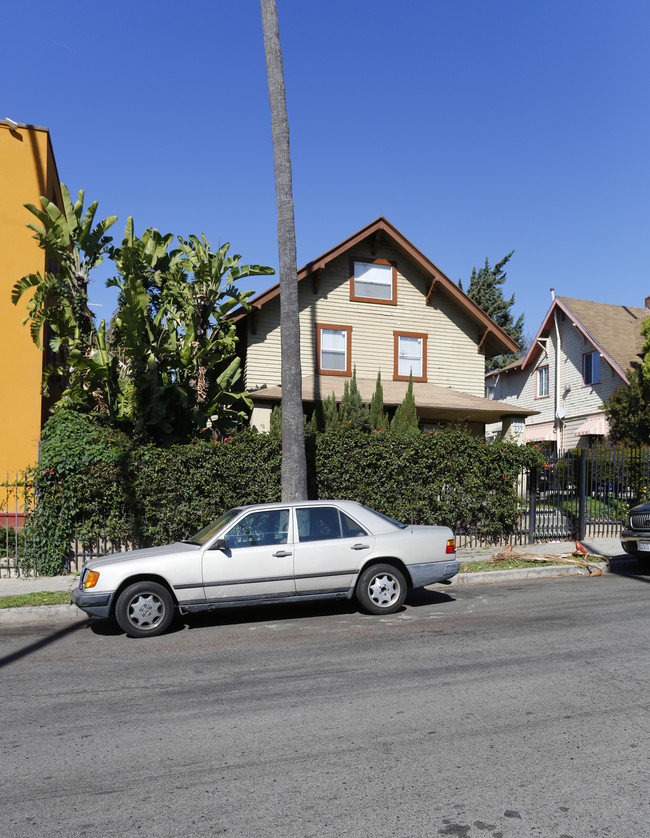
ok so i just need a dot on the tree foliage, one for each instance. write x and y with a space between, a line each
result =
59 296
378 417
485 290
405 420
353 411
165 368
95 484
628 408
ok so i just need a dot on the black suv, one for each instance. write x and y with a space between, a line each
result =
635 537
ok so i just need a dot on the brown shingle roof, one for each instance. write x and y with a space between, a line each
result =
437 402
617 329
613 330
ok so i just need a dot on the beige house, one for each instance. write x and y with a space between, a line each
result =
580 355
375 303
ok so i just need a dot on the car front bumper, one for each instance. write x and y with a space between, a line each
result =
636 542
94 604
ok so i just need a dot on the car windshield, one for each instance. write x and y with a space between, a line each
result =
213 527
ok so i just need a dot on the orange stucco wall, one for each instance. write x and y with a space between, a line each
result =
27 171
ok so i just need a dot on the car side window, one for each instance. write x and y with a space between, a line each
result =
350 528
320 523
260 529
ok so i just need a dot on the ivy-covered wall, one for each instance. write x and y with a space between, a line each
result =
93 481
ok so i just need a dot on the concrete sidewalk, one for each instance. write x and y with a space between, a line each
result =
606 553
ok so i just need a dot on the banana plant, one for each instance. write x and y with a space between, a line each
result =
73 245
165 367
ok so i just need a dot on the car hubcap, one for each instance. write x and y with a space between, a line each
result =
145 610
383 590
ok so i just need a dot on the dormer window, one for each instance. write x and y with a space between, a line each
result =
373 281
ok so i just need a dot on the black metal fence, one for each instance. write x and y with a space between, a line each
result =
16 504
578 495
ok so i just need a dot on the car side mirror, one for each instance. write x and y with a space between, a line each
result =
220 544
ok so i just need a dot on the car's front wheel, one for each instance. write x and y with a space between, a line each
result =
381 589
144 609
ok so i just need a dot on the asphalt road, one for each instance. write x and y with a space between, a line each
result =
496 711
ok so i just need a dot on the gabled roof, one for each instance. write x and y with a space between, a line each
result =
494 339
614 331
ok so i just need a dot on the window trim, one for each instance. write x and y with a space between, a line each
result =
423 337
369 261
347 372
548 382
593 381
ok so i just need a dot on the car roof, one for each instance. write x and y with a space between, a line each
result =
352 504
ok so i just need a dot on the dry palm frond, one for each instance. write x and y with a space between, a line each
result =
508 554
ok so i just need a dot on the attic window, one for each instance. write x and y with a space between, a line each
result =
373 281
591 368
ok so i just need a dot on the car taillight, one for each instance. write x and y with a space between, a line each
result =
451 545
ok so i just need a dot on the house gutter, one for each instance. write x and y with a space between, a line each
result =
558 349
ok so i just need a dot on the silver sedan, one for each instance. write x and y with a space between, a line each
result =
279 552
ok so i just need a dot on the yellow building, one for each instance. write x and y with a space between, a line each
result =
27 171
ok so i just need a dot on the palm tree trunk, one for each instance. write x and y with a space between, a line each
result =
294 465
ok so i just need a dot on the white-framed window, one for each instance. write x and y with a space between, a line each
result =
410 356
542 383
374 281
591 368
333 348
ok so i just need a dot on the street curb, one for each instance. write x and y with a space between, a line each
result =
491 577
32 615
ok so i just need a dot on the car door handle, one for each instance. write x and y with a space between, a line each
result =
360 546
281 554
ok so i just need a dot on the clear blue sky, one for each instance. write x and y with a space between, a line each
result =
475 126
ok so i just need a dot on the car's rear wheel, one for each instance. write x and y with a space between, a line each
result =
144 609
381 589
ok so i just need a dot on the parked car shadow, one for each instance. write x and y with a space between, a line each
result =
109 628
275 612
632 568
419 597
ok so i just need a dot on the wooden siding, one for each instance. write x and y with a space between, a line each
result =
580 401
452 356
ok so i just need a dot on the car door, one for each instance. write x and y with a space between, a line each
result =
257 562
329 547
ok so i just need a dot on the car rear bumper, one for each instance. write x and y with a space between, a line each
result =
432 572
94 604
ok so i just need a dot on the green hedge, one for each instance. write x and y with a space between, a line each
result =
93 482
